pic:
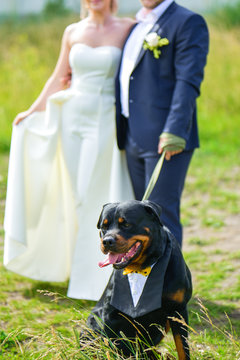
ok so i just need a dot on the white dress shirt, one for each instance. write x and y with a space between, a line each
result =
137 283
133 47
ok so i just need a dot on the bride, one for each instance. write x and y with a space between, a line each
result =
64 162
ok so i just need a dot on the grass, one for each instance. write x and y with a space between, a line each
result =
36 323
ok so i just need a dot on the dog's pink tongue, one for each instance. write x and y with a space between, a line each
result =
111 259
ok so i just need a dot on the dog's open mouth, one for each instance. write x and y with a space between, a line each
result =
119 261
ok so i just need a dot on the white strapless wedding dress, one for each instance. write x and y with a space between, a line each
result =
64 165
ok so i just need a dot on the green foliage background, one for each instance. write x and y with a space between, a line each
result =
228 15
29 50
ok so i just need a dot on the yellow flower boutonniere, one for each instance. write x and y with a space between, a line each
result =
153 42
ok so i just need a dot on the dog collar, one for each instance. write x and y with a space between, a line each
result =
144 272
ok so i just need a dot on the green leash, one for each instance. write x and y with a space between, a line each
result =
154 177
171 143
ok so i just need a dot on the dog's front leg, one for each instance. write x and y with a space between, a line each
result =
179 328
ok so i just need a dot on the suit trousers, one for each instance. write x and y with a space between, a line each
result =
168 189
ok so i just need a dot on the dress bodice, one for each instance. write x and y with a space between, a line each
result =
94 68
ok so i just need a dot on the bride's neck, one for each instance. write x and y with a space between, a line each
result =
99 18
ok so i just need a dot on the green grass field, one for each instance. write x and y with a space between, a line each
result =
34 325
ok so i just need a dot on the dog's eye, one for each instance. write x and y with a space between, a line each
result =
104 226
126 225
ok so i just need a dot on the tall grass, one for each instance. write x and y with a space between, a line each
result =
54 344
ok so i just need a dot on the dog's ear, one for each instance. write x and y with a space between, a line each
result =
111 205
154 209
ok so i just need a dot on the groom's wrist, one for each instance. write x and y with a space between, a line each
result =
171 142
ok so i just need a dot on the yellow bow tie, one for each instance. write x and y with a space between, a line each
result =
144 272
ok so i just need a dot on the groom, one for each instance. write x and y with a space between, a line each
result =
156 100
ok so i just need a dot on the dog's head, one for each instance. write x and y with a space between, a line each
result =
131 234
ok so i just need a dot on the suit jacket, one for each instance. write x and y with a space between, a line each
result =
169 274
163 92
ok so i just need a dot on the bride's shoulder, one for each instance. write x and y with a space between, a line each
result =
125 22
75 26
73 30
72 27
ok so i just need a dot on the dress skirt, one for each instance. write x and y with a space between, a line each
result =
64 165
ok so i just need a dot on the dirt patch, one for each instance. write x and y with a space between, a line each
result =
227 238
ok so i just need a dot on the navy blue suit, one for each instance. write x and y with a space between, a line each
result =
162 98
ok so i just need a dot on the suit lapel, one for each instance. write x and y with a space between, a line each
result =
121 294
157 28
142 52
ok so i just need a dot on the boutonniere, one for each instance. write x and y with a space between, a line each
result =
153 42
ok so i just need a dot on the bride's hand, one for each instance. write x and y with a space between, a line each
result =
20 117
66 80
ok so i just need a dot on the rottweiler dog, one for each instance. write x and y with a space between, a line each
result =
150 286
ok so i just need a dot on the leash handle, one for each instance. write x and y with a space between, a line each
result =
154 177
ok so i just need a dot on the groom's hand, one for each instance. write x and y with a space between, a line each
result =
169 153
172 144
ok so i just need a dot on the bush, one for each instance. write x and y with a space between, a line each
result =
55 7
229 15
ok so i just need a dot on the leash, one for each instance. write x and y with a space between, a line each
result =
154 177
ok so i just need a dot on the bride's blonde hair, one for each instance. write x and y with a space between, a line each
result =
83 12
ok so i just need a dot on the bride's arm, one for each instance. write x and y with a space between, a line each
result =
54 83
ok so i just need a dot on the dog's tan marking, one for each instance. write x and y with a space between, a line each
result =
136 264
105 252
147 229
120 220
105 221
123 246
145 240
178 296
180 348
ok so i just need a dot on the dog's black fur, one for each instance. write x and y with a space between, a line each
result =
168 287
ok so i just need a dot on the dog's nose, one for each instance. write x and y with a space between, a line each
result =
109 242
